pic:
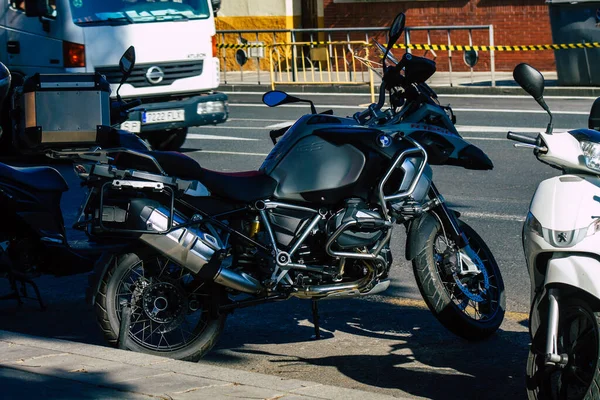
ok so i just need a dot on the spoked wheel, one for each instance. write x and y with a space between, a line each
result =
172 311
579 339
469 301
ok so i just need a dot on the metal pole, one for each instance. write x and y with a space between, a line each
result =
294 56
449 59
471 44
257 60
224 53
492 56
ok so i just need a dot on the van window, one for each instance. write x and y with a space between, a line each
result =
20 5
116 12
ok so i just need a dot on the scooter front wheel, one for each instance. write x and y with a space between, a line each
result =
470 305
579 339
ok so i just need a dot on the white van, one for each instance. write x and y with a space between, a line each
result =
176 68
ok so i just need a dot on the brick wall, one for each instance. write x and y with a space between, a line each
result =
516 22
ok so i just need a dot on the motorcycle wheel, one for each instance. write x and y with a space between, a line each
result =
470 306
172 312
167 140
579 338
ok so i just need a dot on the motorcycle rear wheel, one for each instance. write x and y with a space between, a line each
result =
579 338
172 313
463 316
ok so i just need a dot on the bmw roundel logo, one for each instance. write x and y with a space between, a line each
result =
384 140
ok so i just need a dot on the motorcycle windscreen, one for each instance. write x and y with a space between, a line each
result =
443 149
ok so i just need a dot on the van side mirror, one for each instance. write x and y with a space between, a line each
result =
216 6
37 8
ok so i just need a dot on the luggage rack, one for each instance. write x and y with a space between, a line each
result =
130 179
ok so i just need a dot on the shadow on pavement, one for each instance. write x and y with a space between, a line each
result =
19 384
396 350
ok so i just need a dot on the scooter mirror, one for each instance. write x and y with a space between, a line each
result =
396 29
127 63
530 79
275 98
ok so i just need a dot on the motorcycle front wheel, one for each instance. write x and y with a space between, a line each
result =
172 311
579 339
469 305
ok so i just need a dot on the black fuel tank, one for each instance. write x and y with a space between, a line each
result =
317 170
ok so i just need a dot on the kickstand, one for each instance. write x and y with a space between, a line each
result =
19 294
315 313
124 327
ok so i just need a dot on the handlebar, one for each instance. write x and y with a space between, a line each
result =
526 138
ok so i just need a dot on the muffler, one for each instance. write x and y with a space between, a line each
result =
193 249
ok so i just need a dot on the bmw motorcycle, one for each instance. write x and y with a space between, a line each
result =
561 242
314 222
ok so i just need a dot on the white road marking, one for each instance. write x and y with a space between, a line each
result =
234 153
229 127
480 110
483 138
280 125
464 96
496 129
483 215
216 137
256 119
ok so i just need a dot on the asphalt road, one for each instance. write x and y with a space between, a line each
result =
389 343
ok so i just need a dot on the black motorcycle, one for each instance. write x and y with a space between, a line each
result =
33 239
314 222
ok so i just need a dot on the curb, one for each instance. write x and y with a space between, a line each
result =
67 361
461 89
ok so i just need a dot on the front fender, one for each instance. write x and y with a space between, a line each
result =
581 272
417 234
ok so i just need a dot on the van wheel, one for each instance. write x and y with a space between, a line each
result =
167 140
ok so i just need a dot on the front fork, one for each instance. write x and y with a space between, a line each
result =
472 262
552 357
448 219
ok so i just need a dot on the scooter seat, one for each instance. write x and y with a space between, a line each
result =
39 179
244 187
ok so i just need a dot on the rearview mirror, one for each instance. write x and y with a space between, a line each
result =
530 79
396 29
127 63
276 98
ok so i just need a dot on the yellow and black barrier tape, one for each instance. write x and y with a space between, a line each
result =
435 47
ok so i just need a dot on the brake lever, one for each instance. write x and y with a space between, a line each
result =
542 149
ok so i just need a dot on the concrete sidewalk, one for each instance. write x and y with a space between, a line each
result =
463 83
34 367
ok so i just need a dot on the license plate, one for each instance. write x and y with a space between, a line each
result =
132 126
156 117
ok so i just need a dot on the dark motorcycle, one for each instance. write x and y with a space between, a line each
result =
33 239
314 222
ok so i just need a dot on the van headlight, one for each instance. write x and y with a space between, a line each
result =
591 154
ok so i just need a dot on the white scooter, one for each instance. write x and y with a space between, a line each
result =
562 250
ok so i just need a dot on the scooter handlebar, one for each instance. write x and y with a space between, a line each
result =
527 138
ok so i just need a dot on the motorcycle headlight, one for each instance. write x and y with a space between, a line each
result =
533 225
591 154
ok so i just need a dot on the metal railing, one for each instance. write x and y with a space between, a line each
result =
326 56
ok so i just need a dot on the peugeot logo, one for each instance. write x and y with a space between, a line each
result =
155 75
562 237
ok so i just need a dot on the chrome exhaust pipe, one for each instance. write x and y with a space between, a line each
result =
350 289
195 249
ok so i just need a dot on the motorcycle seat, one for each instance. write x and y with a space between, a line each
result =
40 179
244 187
